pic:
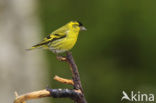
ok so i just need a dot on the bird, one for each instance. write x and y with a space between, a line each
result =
61 40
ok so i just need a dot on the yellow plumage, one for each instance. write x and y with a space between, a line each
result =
62 39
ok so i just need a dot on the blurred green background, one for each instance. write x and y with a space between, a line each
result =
116 53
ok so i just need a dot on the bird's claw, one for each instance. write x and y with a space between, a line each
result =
61 58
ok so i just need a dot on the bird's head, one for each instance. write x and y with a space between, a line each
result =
77 25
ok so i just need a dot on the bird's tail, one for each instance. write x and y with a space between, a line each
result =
33 47
40 45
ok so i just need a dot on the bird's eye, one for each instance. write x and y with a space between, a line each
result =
48 37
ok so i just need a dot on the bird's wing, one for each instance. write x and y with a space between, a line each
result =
58 34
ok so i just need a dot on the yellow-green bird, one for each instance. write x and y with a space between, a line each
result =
62 39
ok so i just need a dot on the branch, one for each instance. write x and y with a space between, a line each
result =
16 94
75 94
62 80
32 95
76 77
55 93
63 93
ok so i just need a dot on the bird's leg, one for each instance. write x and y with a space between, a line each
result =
61 58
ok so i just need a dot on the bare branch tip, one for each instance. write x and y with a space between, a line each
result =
16 94
63 80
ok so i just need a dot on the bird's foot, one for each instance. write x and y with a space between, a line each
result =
61 58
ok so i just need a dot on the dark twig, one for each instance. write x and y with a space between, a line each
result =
75 77
63 93
75 73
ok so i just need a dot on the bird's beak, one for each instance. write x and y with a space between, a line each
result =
83 28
